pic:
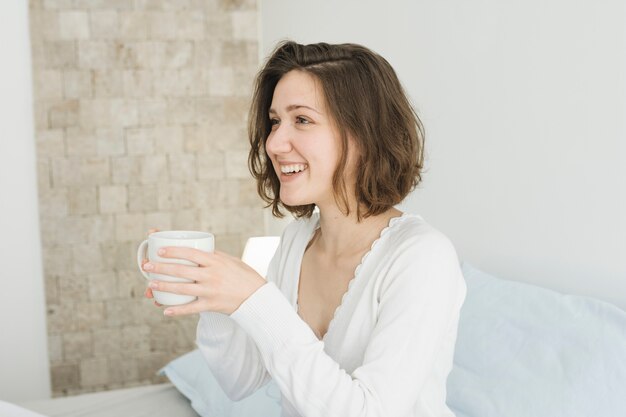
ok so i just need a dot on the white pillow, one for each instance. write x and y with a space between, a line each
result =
526 351
191 375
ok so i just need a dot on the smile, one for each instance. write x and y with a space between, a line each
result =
293 168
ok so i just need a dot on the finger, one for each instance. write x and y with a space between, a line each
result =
148 293
194 307
197 256
193 273
150 231
180 288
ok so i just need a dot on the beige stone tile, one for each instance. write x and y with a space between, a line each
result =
130 283
63 113
40 115
229 243
137 83
152 111
83 200
105 24
94 372
50 143
123 370
208 53
60 54
107 83
86 260
166 5
178 54
176 196
169 139
80 142
217 193
57 260
77 84
181 111
248 194
103 4
55 348
89 315
110 141
126 169
214 220
219 26
221 82
100 228
149 364
72 287
107 341
136 338
182 167
134 25
44 181
77 171
64 376
119 312
140 141
124 112
244 25
48 84
129 227
113 198
158 220
53 203
153 169
44 25
211 166
190 24
74 24
185 219
77 345
237 164
61 317
52 289
120 255
162 25
142 198
102 286
96 54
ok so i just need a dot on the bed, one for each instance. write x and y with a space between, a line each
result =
522 350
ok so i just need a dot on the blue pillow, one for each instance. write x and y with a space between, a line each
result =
192 377
524 350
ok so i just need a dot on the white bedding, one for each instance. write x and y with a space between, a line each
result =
162 400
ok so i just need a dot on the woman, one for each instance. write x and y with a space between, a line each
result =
359 313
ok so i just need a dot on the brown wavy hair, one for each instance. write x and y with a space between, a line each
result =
366 102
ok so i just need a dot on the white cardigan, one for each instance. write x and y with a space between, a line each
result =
388 349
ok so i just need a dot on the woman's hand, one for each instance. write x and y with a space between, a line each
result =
222 282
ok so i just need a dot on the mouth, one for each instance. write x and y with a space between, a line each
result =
293 169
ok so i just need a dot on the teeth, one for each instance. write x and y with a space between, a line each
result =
287 169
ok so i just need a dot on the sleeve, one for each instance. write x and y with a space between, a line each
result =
231 354
419 302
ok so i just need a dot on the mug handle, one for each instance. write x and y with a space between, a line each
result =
141 255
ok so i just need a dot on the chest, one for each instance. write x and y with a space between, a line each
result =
321 288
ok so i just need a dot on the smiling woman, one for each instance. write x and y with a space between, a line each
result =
359 313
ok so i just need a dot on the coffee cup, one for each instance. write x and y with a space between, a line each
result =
148 249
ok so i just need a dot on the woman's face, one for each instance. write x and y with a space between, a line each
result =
303 145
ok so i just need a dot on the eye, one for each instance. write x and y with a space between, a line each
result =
301 120
274 122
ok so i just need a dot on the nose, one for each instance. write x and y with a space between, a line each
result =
279 140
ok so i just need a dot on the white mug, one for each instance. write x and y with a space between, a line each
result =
190 239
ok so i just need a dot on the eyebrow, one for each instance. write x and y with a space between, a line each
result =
292 107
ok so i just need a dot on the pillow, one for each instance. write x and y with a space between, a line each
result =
526 351
192 377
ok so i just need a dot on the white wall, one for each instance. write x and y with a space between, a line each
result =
24 371
524 108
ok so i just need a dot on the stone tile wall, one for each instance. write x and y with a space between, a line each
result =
140 116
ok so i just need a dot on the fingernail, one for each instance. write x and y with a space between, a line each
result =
153 284
168 312
148 266
161 251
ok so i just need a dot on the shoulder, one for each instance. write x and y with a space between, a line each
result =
411 236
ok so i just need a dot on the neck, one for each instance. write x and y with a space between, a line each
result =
342 235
